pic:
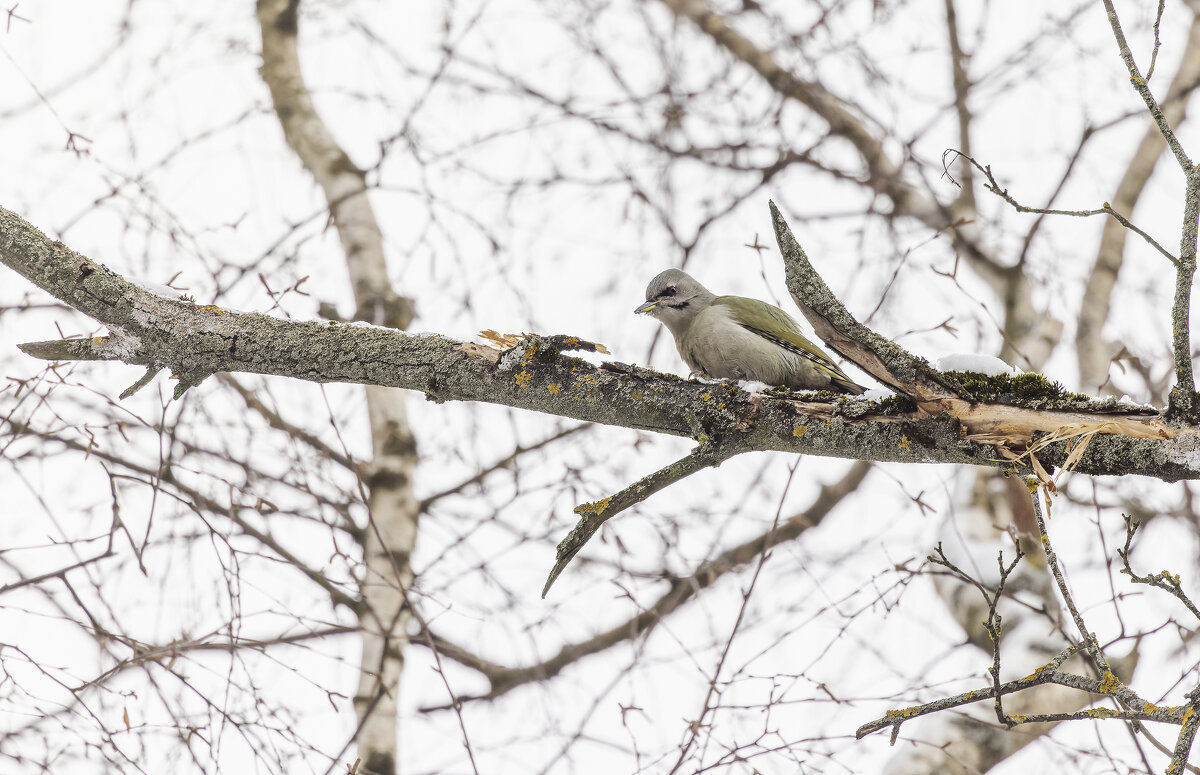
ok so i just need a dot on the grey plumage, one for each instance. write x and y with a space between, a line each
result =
733 337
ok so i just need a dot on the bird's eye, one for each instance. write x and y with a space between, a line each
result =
668 291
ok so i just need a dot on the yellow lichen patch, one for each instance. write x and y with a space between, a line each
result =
905 444
99 340
596 508
721 405
523 378
1109 683
1103 713
1019 718
705 397
799 430
213 308
636 395
902 713
1149 707
1037 673
553 387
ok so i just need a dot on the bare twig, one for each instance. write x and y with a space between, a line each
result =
1105 209
1164 580
682 589
695 726
1091 645
505 462
275 420
1183 397
1139 84
993 622
1136 709
1162 5
710 452
61 572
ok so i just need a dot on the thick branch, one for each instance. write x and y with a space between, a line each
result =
881 358
1183 396
1183 744
151 330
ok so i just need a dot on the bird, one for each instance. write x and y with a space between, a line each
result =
733 337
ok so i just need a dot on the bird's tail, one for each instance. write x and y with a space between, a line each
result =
846 386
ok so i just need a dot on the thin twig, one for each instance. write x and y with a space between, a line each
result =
1137 709
1162 4
1139 84
504 462
503 679
993 622
698 724
1183 397
1164 580
710 452
994 186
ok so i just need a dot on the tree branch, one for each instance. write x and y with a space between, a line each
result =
881 358
151 330
1137 709
682 589
1094 356
1183 398
1139 84
711 452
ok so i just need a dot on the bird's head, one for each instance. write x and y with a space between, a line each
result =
674 297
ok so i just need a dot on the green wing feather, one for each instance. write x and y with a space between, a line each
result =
750 314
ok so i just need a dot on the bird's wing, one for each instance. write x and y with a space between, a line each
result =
787 336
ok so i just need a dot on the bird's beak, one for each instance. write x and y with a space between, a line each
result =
646 307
